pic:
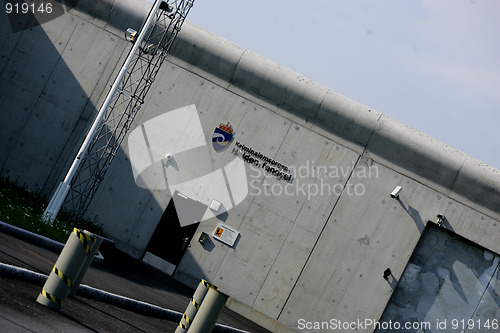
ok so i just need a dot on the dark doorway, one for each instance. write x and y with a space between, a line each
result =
171 237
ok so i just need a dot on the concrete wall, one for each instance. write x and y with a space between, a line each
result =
52 78
314 251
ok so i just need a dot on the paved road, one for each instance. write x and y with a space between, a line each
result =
19 311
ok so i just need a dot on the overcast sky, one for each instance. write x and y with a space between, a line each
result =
433 64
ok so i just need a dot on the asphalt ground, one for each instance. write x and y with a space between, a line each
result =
117 274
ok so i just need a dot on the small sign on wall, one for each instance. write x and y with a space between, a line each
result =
225 234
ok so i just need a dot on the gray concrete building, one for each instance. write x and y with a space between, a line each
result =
249 175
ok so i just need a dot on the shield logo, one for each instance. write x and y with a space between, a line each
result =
222 136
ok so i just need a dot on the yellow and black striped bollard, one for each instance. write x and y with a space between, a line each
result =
193 306
67 269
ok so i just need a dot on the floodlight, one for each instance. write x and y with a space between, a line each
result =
440 219
203 238
166 7
130 35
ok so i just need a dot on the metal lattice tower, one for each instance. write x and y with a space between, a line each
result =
126 103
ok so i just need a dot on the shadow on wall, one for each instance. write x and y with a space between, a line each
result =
51 78
447 278
189 267
414 214
417 218
53 73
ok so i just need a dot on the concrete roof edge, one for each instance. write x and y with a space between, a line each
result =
460 175
275 84
380 135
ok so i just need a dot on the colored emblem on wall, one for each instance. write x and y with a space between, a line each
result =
218 232
222 136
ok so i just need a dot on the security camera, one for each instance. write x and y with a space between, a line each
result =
168 158
395 193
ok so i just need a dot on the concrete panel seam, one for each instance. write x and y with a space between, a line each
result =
319 108
112 8
236 69
317 240
138 222
269 272
454 183
60 58
372 130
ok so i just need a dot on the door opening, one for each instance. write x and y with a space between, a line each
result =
171 239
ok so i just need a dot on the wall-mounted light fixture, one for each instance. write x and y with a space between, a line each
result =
168 8
387 273
395 193
203 238
148 48
440 219
130 35
215 205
